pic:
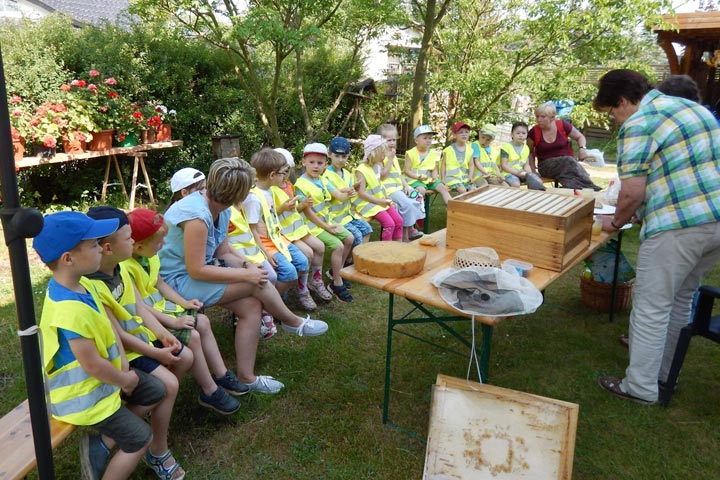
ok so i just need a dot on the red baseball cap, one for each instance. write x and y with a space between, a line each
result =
144 223
458 125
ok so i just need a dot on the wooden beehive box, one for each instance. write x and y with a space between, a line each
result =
486 432
545 229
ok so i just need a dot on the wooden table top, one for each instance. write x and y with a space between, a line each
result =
439 257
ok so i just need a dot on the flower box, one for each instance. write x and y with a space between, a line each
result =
102 140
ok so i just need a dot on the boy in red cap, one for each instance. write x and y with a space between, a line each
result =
180 315
456 159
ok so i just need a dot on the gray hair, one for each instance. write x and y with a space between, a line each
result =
547 107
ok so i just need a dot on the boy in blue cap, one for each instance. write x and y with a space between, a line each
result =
83 359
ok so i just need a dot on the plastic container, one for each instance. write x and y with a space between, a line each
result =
523 268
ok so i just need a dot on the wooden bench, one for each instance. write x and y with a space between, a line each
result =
17 450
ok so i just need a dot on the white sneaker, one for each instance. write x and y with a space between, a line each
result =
265 384
308 328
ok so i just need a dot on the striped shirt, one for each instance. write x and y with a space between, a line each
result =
676 144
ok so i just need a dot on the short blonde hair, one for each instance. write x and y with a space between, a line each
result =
386 128
229 180
547 107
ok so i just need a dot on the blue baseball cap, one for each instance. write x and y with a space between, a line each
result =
62 231
340 145
423 129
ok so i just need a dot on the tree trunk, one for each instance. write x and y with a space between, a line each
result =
418 91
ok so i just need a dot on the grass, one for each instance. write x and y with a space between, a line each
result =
327 422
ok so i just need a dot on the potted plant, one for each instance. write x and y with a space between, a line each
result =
164 131
129 128
47 124
19 125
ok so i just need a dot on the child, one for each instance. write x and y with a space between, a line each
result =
514 159
373 201
149 346
312 186
259 206
83 359
484 166
421 164
179 315
408 201
456 159
292 226
341 211
184 182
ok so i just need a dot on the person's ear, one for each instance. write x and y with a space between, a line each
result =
106 247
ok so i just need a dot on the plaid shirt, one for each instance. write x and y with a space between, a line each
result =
676 144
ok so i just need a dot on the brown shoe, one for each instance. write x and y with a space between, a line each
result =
612 385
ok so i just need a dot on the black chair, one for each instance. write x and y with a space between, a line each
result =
703 324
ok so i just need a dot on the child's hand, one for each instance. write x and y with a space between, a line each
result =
185 321
422 177
131 381
169 341
335 229
271 260
386 202
308 202
289 204
194 304
166 355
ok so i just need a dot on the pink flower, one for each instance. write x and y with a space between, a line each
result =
94 73
75 83
15 99
49 141
17 112
58 107
92 87
104 108
65 87
15 133
110 81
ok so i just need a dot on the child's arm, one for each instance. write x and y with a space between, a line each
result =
407 169
258 242
168 321
475 164
531 158
387 166
287 205
134 344
360 186
87 355
505 158
169 293
151 322
313 217
125 366
342 194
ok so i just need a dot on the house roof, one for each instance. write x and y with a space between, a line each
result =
86 11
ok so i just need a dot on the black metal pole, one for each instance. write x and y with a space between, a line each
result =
19 224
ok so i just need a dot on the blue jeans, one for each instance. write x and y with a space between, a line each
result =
359 228
287 270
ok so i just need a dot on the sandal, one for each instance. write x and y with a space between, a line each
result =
172 472
612 385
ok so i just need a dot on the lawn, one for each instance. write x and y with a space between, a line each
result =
326 424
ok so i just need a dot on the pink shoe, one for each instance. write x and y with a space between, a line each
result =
267 326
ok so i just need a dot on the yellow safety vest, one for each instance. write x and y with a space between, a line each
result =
514 160
146 283
272 223
339 209
242 239
457 172
321 199
424 167
393 181
123 308
491 163
372 187
75 396
292 224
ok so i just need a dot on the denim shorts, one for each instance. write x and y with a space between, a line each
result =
287 270
359 228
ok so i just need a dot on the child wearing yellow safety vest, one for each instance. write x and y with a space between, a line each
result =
148 345
179 315
311 185
514 159
484 164
342 212
421 164
408 201
288 261
456 159
374 202
82 357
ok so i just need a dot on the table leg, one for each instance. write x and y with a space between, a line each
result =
147 181
613 292
106 180
120 176
388 357
133 185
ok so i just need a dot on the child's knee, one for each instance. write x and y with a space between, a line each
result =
203 324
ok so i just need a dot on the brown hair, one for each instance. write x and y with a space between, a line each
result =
229 180
621 83
267 161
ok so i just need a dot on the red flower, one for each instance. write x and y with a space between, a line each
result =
113 94
94 73
65 87
121 137
49 141
15 99
154 121
110 81
41 111
93 88
137 115
81 83
35 121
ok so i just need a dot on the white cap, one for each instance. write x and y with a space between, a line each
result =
288 156
423 129
185 177
318 148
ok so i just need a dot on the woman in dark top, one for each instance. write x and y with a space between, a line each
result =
549 143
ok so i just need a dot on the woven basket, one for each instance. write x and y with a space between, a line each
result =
476 257
598 295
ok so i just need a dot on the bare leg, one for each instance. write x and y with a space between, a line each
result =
210 347
123 464
160 420
247 332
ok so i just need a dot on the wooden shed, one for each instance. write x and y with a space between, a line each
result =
699 34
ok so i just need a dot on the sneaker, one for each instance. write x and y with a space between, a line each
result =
220 401
414 234
308 327
306 301
318 287
329 275
341 292
231 384
267 326
265 384
93 457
